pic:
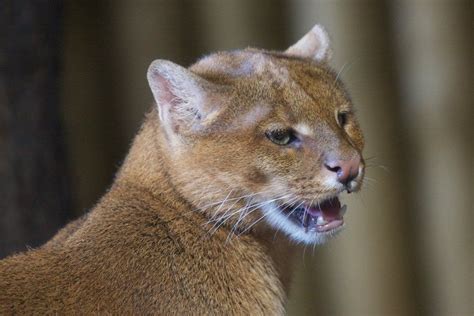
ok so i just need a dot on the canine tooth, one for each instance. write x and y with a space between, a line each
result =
320 221
343 210
305 219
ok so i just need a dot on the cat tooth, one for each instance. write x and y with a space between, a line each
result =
343 210
305 219
320 221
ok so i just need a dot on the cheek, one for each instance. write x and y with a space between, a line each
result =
281 167
306 173
257 177
277 162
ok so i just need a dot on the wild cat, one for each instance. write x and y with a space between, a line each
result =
242 155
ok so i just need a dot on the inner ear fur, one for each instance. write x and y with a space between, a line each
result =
182 97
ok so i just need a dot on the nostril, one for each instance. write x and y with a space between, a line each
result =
335 168
345 170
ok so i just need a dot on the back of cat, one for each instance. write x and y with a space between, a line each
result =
243 155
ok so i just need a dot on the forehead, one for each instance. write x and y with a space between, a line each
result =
295 90
311 93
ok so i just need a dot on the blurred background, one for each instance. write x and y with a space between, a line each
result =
73 94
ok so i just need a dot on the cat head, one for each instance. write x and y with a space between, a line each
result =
257 136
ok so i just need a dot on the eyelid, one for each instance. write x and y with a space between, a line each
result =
345 111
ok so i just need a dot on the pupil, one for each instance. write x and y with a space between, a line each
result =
342 119
280 135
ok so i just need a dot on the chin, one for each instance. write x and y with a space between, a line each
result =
307 224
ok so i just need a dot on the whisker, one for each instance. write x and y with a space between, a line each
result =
262 204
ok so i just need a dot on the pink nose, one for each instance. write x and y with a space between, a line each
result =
346 170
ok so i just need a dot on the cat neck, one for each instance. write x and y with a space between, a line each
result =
146 168
146 163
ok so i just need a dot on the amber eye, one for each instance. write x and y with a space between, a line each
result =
342 118
281 137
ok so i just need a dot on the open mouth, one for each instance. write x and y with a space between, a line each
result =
322 217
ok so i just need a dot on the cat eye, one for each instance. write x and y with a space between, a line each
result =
342 118
281 137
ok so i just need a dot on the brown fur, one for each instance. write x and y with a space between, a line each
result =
151 246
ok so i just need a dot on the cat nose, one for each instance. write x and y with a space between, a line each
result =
346 170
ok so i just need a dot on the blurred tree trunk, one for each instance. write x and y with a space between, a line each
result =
437 114
34 196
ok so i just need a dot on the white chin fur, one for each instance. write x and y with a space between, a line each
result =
280 221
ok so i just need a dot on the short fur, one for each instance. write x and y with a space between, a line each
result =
175 233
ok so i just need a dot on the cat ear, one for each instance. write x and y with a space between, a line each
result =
315 44
183 98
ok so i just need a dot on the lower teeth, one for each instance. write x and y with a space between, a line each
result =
308 220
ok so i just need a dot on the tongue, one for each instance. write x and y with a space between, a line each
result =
329 209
